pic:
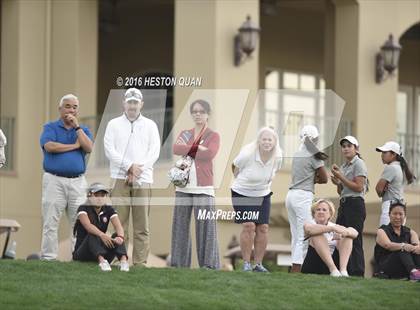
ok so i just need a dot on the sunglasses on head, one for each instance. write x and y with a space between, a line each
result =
133 94
398 202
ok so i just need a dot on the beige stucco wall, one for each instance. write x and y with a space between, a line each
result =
25 74
48 50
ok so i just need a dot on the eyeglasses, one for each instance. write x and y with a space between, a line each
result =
198 112
71 106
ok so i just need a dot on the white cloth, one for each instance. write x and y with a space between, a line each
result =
193 187
254 177
384 218
3 142
59 194
128 143
298 204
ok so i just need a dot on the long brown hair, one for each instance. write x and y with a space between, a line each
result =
404 166
367 179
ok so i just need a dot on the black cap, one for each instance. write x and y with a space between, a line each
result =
97 187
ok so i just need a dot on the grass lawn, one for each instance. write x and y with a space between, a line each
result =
56 285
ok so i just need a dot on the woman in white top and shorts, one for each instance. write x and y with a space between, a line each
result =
307 170
254 169
391 184
330 244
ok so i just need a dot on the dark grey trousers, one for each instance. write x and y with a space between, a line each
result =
206 232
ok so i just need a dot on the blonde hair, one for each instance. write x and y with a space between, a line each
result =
331 207
252 147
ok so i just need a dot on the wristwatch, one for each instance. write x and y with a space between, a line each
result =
402 247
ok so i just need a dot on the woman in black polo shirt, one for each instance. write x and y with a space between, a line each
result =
93 244
397 250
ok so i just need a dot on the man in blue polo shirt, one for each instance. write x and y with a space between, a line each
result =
64 144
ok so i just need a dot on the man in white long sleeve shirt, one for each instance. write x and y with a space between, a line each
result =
132 145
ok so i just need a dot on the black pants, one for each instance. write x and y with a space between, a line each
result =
92 246
314 264
352 213
399 264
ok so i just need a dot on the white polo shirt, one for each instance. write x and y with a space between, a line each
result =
127 142
254 178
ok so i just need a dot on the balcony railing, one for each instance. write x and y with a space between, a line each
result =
7 125
411 151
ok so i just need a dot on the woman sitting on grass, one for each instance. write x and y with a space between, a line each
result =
93 244
330 244
397 250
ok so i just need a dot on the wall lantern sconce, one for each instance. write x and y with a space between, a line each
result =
245 41
387 59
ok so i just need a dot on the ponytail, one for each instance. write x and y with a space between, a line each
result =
404 166
321 156
367 179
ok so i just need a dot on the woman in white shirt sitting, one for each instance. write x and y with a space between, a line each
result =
254 169
330 244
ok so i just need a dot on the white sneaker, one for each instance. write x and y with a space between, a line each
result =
105 265
335 274
124 266
344 273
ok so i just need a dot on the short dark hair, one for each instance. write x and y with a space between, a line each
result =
397 203
203 103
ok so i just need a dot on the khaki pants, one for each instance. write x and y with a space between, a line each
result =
59 194
126 198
